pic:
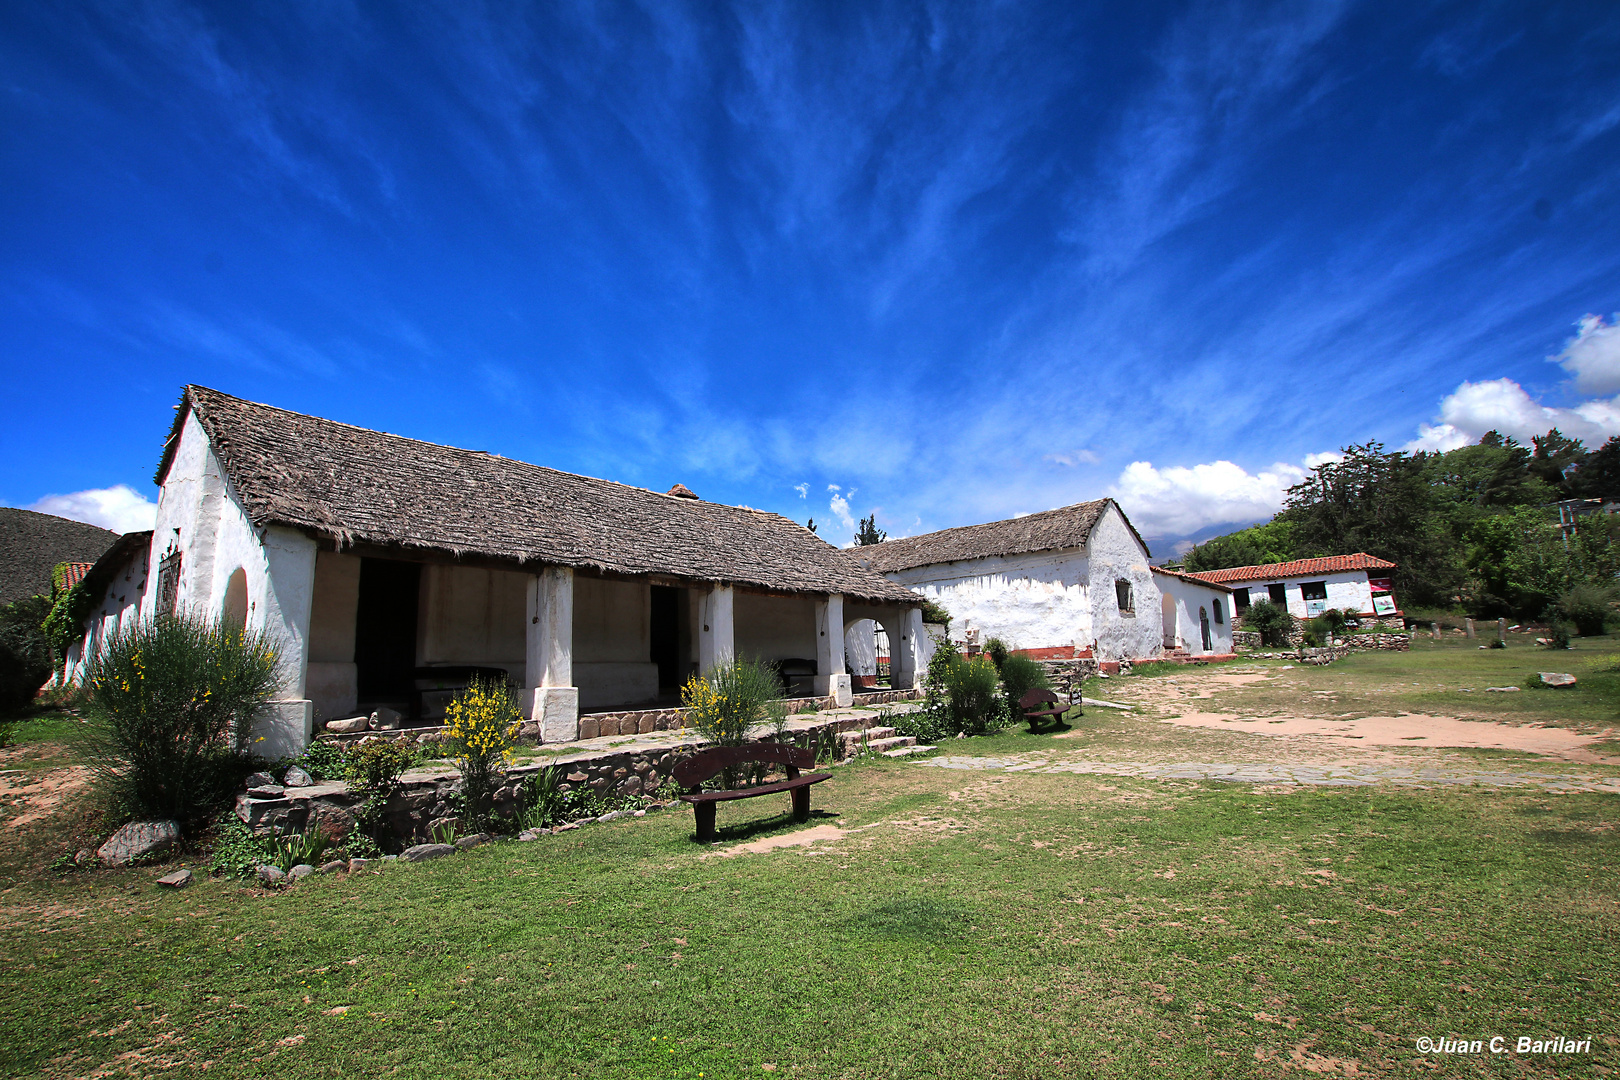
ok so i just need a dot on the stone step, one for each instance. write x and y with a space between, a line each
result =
866 734
890 743
906 751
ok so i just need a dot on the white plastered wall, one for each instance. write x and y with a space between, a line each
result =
200 516
332 684
1345 589
120 603
472 615
1036 600
1188 598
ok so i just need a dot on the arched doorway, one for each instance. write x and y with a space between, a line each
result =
233 615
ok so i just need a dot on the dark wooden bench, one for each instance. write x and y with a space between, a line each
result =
1031 704
691 772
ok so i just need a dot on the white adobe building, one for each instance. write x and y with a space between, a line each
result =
388 571
1307 587
1075 581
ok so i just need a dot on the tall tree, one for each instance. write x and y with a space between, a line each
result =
869 534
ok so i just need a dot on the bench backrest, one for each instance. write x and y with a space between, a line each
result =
693 770
1036 697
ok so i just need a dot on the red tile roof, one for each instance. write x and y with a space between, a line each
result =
1194 578
1332 564
69 574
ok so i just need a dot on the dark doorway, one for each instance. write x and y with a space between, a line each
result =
1279 594
385 630
1203 627
666 635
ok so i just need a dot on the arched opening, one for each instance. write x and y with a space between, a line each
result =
1167 620
233 616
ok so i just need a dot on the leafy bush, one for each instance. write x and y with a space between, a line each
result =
481 727
1271 621
236 852
932 612
1587 606
970 688
733 698
996 650
323 759
373 770
175 699
63 624
1558 634
1019 675
25 654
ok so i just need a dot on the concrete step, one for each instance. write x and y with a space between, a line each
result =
906 751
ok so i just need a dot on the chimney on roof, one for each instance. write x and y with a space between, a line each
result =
681 491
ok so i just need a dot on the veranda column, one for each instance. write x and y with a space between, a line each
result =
831 680
905 655
549 656
716 629
283 728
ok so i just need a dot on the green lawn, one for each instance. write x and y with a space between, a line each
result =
965 924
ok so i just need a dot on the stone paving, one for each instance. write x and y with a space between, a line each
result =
1316 776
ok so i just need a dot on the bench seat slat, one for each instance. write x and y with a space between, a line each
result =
762 789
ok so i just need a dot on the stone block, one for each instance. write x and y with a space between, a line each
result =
138 838
423 852
556 708
177 880
646 724
349 726
589 727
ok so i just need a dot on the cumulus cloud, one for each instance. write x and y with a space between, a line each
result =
840 509
1593 356
120 508
1180 500
1502 405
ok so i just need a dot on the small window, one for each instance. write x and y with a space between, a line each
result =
1279 594
1313 590
1215 606
1127 600
168 594
1240 600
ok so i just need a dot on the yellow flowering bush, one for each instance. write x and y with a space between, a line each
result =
481 728
733 698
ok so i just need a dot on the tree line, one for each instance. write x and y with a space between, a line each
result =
1474 529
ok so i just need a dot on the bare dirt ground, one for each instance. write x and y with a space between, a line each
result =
26 799
1280 704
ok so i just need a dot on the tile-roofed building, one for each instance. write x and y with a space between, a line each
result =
390 571
1065 582
32 545
1358 583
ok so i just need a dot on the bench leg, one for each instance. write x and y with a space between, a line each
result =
801 804
705 821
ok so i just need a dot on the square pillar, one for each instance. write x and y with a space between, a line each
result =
905 655
831 680
717 643
552 699
284 726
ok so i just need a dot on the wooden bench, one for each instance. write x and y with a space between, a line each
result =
691 772
1031 704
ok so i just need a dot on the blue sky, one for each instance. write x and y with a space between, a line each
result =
940 263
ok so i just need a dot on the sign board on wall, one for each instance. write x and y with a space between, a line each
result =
1381 584
1384 605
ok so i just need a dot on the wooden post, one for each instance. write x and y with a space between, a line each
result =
1468 627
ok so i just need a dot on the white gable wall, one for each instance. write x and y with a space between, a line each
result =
1187 600
1117 554
1031 601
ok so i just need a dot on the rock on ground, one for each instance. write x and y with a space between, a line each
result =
423 852
138 838
177 880
1557 678
296 777
271 875
302 870
469 841
350 725
386 719
356 865
259 779
334 866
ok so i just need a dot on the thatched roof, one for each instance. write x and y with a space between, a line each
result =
1065 527
31 544
356 487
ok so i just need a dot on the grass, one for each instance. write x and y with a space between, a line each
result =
953 923
964 924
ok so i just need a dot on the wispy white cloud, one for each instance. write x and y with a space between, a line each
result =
120 508
803 490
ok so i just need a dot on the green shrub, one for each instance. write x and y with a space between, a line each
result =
175 700
235 851
1019 675
970 688
323 759
1587 607
932 612
733 698
996 650
25 653
1558 634
373 770
1271 621
481 727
